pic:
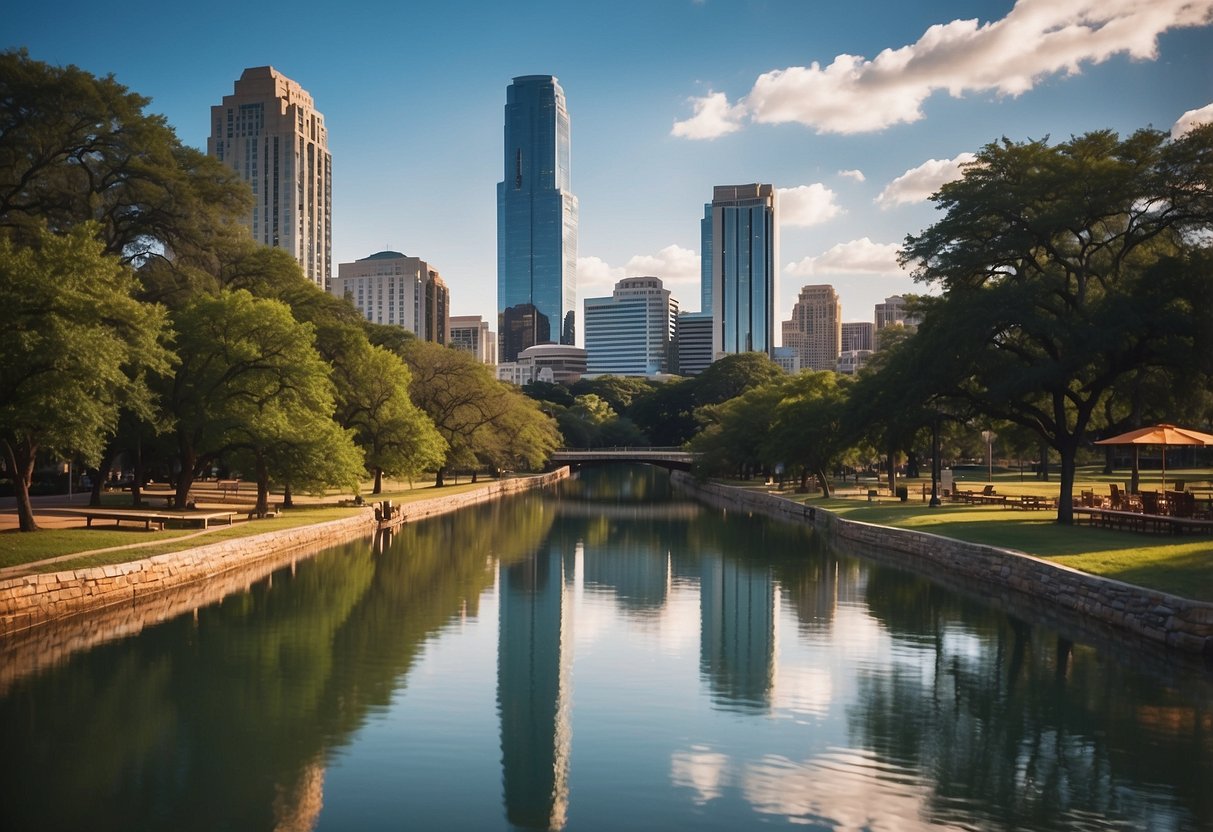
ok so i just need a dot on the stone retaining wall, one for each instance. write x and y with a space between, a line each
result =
30 600
1157 617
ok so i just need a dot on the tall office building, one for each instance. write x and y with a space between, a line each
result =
631 333
471 333
815 330
893 312
270 133
742 243
392 288
858 335
536 221
694 343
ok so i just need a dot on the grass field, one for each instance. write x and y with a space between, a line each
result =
1179 565
17 548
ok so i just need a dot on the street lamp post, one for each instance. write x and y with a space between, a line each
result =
935 469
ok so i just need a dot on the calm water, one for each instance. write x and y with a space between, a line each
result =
612 658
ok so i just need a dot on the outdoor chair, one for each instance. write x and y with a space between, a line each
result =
1183 503
1150 503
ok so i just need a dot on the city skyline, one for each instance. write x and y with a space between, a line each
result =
854 113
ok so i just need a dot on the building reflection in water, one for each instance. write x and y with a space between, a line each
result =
535 652
738 607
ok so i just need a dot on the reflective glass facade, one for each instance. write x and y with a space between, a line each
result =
742 244
536 221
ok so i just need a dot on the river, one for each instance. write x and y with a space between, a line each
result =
609 656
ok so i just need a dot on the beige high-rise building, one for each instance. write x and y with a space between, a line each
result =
815 330
270 133
392 288
858 335
472 333
893 312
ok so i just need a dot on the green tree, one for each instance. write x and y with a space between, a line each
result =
808 432
397 438
617 391
75 148
250 383
75 348
735 438
1063 268
470 408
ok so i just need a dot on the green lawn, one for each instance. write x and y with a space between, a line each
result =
18 548
1179 565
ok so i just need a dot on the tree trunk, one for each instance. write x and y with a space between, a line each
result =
263 489
1065 495
185 477
825 483
288 499
378 489
1135 478
892 470
98 474
440 477
1109 459
1044 461
21 462
474 472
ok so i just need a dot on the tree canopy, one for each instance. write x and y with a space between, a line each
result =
1063 268
75 348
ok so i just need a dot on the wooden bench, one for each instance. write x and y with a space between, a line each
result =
228 485
1032 502
1139 522
147 518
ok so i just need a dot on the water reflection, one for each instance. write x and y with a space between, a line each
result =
533 679
544 664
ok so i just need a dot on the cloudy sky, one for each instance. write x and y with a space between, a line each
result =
856 111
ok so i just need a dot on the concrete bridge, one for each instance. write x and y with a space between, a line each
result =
665 457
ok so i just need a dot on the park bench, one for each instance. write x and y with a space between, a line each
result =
147 518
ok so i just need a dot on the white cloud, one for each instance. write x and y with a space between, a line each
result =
1190 119
807 205
596 277
860 256
917 184
857 175
1037 39
674 264
713 118
677 267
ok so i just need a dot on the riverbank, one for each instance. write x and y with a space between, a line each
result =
27 601
1163 618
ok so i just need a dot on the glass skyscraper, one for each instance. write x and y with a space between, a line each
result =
741 248
536 221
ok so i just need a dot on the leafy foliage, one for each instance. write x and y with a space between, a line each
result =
1063 269
75 348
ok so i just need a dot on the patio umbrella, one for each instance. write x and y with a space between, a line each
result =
1164 435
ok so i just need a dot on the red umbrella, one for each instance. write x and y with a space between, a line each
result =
1160 435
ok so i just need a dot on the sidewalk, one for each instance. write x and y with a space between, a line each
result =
45 511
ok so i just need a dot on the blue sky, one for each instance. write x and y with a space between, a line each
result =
855 110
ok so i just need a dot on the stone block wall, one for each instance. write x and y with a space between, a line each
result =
1157 617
